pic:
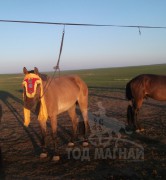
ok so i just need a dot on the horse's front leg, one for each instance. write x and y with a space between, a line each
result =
43 140
54 137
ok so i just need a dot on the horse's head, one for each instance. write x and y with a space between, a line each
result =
32 85
33 96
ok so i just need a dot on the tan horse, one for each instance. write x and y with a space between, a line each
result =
52 96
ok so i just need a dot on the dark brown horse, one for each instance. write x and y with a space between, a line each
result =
52 96
141 87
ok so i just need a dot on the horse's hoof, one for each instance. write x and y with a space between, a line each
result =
85 144
70 144
43 155
137 131
142 129
56 158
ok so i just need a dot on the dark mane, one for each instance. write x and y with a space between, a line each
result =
31 71
44 77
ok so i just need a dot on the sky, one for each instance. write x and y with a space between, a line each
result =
36 45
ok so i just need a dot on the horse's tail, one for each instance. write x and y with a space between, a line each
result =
0 113
128 91
129 96
81 84
0 158
130 115
2 172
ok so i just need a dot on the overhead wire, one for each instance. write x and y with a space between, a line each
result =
83 24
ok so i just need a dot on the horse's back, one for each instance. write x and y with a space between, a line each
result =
144 79
149 80
65 85
69 83
148 85
64 91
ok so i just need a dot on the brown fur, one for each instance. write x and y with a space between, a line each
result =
61 94
140 87
0 113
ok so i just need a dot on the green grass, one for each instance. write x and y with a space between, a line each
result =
107 77
116 77
11 83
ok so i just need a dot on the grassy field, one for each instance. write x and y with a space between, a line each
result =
21 146
116 77
106 77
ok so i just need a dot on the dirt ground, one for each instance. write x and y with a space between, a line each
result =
20 146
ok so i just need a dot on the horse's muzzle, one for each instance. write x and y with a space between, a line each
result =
31 103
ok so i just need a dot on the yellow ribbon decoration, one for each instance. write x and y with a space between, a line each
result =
43 115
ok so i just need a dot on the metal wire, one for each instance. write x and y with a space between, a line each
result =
79 24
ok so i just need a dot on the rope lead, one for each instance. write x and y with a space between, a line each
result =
57 65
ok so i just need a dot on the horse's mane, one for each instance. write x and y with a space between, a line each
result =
44 77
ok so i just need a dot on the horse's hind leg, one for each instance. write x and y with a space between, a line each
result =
137 107
54 136
137 123
74 119
83 104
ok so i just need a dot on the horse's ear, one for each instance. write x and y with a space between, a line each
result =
36 70
25 70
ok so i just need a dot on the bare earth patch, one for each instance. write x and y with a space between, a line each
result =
20 146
